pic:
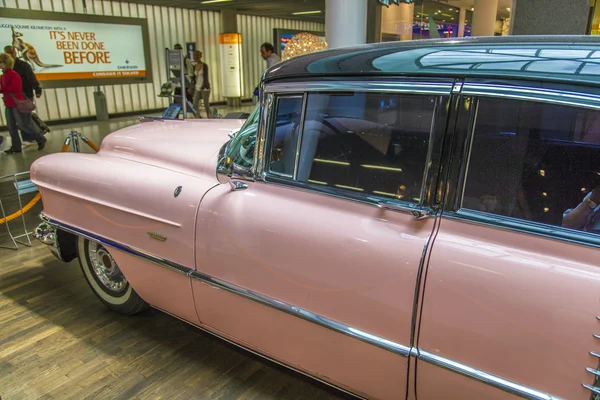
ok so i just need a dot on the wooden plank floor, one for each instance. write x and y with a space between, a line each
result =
57 341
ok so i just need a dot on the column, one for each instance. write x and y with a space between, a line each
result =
484 17
229 25
398 20
462 16
549 17
373 22
345 22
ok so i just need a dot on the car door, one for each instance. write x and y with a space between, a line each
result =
512 288
314 263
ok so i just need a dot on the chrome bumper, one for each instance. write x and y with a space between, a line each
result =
47 234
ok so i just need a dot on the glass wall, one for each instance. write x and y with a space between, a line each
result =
430 14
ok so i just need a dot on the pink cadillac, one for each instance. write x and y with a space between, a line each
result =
415 220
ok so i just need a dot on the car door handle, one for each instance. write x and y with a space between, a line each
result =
416 213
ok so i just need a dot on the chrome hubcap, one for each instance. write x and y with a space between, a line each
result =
105 268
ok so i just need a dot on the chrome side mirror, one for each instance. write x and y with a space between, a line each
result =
224 170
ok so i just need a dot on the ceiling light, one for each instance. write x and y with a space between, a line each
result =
307 12
508 9
214 1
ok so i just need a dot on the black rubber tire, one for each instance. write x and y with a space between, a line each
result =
127 302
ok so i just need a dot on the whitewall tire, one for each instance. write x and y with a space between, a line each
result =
106 279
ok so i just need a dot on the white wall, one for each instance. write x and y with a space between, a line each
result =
166 26
255 31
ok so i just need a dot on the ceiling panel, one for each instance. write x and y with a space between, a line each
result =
270 8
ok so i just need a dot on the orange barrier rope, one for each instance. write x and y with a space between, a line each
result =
22 211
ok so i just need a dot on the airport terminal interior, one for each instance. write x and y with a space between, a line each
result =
141 259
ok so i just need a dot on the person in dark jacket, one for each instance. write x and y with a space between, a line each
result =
29 81
12 89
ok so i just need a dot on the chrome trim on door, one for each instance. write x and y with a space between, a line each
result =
304 314
578 99
417 213
592 388
325 322
484 377
593 371
162 262
207 329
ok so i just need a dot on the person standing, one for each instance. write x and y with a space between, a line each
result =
267 52
11 88
202 85
189 72
28 79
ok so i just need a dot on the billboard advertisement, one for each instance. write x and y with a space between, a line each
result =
77 49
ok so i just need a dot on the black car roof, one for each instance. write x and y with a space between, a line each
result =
573 59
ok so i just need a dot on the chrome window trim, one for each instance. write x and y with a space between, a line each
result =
527 93
406 208
300 134
309 316
272 124
425 86
484 377
523 226
470 140
265 175
550 96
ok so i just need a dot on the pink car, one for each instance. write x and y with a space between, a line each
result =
411 220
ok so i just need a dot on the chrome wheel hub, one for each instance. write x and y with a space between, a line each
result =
105 268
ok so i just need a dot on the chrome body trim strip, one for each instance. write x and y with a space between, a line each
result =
325 322
215 334
595 354
593 371
249 294
596 336
591 388
578 99
484 377
416 86
127 249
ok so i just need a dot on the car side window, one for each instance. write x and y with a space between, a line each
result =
282 160
535 161
375 144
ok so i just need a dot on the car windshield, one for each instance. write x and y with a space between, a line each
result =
252 119
241 148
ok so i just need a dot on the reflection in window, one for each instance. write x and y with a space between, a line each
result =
367 143
536 162
285 140
242 147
